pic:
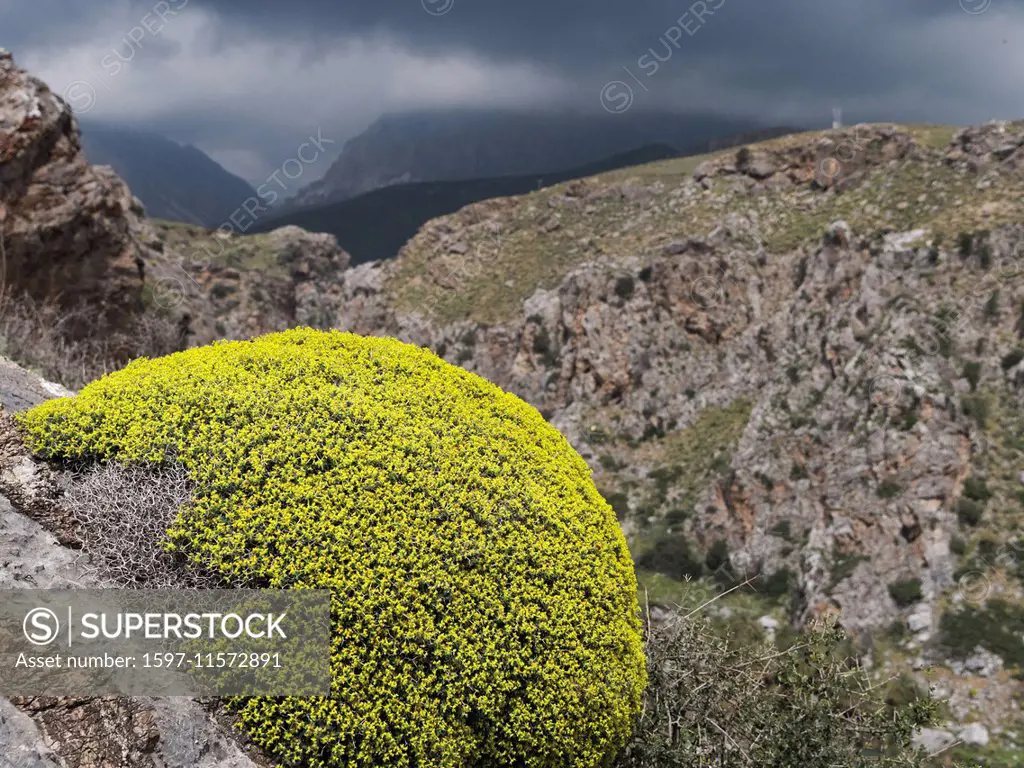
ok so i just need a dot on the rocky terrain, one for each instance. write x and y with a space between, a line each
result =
64 225
74 234
800 361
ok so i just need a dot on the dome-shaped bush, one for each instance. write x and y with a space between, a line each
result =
485 601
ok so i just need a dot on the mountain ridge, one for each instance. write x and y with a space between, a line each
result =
459 144
406 207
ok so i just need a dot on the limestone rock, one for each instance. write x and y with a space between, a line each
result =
975 733
65 226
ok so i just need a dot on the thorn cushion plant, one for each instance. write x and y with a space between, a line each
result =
484 609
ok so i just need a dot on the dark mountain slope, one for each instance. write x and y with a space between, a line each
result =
172 181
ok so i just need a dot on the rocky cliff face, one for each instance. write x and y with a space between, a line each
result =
64 225
238 287
851 348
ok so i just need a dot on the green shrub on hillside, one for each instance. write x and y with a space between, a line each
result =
715 703
906 592
485 601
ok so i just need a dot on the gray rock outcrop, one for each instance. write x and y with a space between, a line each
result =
65 226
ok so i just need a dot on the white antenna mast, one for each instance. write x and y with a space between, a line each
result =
837 118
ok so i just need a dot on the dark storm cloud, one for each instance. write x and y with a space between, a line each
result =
232 73
854 43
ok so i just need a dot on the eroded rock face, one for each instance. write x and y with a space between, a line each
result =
994 144
65 225
238 287
836 160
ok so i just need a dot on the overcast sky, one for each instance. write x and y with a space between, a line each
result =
248 81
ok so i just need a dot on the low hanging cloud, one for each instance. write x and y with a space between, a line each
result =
247 81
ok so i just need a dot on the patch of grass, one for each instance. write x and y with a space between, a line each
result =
889 488
972 372
969 511
906 592
692 455
200 247
998 627
624 288
663 590
992 755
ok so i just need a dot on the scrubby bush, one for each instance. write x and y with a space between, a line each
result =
624 288
778 584
889 488
964 243
1010 359
50 340
484 609
997 626
972 372
672 556
905 592
711 702
120 515
969 511
977 407
976 488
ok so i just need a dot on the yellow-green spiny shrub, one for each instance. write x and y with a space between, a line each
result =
485 601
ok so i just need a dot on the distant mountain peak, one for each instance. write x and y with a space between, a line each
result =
173 181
